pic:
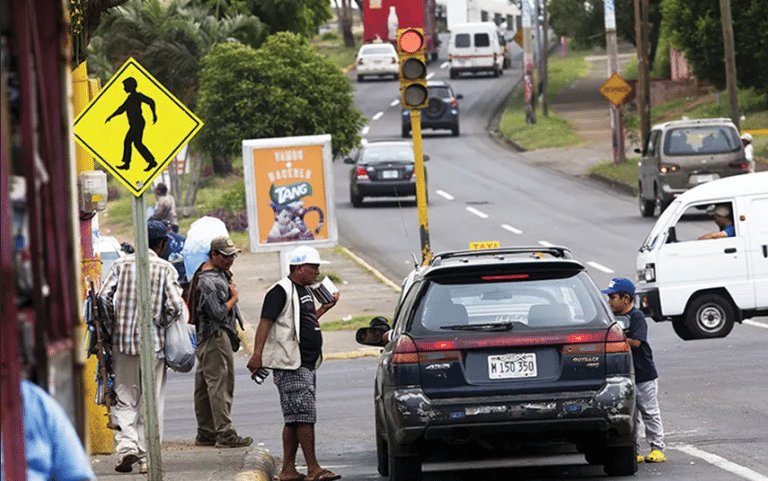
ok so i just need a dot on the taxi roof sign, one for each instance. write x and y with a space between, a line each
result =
484 245
615 89
135 127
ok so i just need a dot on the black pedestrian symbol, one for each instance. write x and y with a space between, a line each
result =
132 108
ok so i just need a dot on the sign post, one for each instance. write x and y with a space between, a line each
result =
134 128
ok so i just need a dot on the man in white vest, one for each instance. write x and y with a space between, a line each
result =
288 341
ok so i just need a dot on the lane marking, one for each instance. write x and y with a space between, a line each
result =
444 194
430 75
394 102
378 116
365 130
754 323
478 213
445 64
511 229
600 267
722 463
546 244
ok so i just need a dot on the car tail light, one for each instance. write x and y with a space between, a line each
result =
740 164
454 103
360 61
582 345
616 341
668 168
361 174
394 60
405 352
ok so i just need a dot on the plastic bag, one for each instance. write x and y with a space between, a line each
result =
198 243
180 344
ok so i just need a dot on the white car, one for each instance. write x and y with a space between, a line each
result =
377 59
109 251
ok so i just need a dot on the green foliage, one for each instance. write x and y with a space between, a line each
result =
625 173
233 200
347 324
695 28
282 89
330 37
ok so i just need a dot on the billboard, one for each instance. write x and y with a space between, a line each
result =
289 190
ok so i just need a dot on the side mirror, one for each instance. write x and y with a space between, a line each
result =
459 96
671 235
426 158
349 160
371 336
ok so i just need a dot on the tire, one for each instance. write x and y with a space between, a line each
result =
453 74
681 329
595 457
663 203
382 452
355 199
455 130
709 316
359 78
406 132
647 207
620 461
404 468
495 71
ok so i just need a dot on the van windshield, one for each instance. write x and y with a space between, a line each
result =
660 227
715 139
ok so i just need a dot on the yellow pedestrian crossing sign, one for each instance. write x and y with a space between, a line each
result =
135 127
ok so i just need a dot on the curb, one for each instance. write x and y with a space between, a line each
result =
265 466
620 186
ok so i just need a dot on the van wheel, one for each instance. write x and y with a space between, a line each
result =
454 74
681 329
359 78
709 316
495 71
647 207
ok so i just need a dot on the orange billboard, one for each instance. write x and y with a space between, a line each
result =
288 185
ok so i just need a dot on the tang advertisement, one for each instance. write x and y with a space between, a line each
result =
288 187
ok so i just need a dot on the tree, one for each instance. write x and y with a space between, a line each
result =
283 88
696 30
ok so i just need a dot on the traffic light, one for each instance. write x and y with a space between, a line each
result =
413 68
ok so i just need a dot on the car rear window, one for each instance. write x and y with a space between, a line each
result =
372 155
377 50
441 92
462 40
538 303
701 140
482 40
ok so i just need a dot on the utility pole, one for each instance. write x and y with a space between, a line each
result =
530 100
730 62
643 94
545 63
610 40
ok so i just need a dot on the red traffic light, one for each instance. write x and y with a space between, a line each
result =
411 41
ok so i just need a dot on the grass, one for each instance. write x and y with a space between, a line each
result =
553 130
349 324
331 46
625 173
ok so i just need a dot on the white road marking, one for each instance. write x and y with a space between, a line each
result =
721 463
444 194
445 64
430 75
600 267
394 102
365 130
511 229
478 213
546 244
755 323
377 116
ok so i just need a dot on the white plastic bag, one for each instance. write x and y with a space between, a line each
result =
198 243
180 344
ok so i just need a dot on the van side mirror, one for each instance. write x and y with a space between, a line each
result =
349 160
671 235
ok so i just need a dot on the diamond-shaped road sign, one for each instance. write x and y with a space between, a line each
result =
615 89
135 127
519 38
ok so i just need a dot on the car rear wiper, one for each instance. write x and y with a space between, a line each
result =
491 326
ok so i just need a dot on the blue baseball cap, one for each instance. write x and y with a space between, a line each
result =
156 230
620 284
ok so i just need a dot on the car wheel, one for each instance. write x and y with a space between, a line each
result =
359 78
681 329
404 468
355 199
647 207
663 203
455 130
495 71
406 132
453 74
620 461
382 451
595 457
709 316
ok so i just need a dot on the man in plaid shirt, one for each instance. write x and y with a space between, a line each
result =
120 292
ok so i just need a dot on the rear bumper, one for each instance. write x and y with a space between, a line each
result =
447 121
387 189
414 417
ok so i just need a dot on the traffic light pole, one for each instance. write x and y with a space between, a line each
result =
421 186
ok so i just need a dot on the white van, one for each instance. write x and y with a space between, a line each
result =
704 286
475 47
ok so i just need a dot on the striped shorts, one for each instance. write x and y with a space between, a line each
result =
297 395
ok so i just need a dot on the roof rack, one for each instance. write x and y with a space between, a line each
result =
554 251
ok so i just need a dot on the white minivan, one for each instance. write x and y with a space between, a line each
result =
704 286
475 47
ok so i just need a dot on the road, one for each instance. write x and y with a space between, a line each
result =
712 393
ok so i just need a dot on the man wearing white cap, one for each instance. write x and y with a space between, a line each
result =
722 217
749 155
288 341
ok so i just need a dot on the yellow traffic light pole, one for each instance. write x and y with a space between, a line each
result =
421 186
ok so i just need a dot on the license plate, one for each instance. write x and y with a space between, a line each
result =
389 174
702 178
509 366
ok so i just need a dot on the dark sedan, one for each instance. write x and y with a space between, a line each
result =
498 349
382 169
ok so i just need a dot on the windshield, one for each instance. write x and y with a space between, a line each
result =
390 153
657 232
517 304
377 50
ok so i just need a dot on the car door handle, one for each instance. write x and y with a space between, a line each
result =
730 250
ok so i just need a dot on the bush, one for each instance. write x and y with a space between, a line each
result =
234 199
235 222
329 37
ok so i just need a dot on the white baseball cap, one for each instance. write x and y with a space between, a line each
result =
746 136
305 255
